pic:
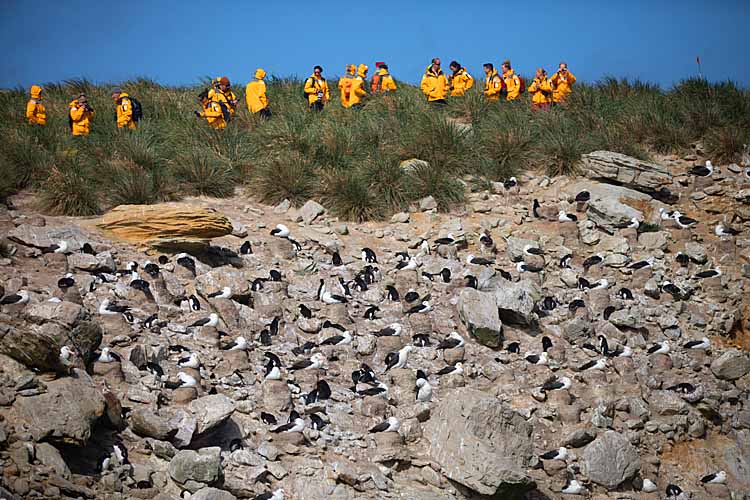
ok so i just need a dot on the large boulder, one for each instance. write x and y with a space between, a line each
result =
45 236
217 279
480 442
478 311
65 413
211 411
611 460
610 214
212 494
179 226
310 211
731 365
195 469
625 170
515 302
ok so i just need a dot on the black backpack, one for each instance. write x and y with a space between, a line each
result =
225 111
137 109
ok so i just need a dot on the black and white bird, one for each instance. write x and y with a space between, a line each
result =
184 380
537 359
592 261
471 281
682 388
659 348
411 296
109 308
317 421
336 260
479 261
535 206
210 321
108 356
452 341
20 297
683 221
392 424
315 361
398 359
368 255
599 364
676 292
673 491
573 487
305 311
272 371
532 250
625 294
665 214
703 344
407 265
271 495
709 273
192 361
702 170
151 269
523 267
61 246
722 231
486 240
392 330
576 304
445 275
328 297
321 392
246 248
421 340
364 375
67 357
510 183
513 348
392 293
66 281
563 216
187 262
558 454
549 304
371 313
238 344
297 425
583 197
424 390
336 340
456 369
640 264
380 390
280 231
554 384
448 239
224 293
565 261
719 477
424 307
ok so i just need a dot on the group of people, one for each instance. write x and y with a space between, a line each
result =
544 91
219 103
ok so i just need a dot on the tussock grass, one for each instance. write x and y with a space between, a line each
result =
347 159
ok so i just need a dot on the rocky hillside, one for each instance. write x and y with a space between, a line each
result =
500 351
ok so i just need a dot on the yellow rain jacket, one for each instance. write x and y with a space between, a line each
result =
383 81
125 112
541 91
228 97
461 82
434 86
562 84
512 85
213 115
80 118
345 85
313 87
493 86
35 110
359 83
255 93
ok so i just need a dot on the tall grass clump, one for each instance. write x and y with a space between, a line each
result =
285 177
202 172
70 189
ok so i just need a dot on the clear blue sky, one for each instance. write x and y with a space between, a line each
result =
178 42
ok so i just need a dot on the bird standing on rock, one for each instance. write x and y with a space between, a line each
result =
392 424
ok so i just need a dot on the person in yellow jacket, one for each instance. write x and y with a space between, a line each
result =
124 109
359 87
212 112
255 95
562 83
541 91
80 115
493 84
512 82
382 81
434 84
222 92
460 81
316 89
345 85
36 113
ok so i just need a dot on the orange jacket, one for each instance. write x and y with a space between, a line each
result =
125 112
80 117
541 90
35 110
562 84
512 85
493 86
214 115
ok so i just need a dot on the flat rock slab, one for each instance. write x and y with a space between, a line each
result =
625 170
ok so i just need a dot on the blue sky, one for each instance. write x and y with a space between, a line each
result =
178 42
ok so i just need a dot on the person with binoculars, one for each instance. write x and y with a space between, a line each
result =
80 115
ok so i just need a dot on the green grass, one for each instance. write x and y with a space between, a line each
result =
348 159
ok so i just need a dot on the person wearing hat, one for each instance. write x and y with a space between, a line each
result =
382 81
222 92
255 95
36 113
345 85
80 115
124 109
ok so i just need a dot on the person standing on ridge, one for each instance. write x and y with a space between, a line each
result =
460 81
80 115
434 84
345 85
493 84
124 109
382 81
222 92
359 87
562 83
212 111
255 95
316 89
36 113
512 82
541 91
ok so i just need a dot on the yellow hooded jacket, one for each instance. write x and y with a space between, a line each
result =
541 91
125 112
345 85
493 86
228 97
81 118
434 85
385 82
255 93
35 110
358 86
313 87
562 84
512 85
213 115
461 82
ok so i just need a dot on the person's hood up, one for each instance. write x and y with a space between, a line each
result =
362 70
36 92
351 69
260 74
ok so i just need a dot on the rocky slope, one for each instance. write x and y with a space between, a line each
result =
108 419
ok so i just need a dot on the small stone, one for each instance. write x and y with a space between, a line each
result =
428 203
400 218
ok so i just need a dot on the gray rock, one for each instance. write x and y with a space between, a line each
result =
428 203
515 302
654 241
211 411
400 218
587 232
478 311
215 280
577 329
696 252
63 313
666 403
625 170
731 365
611 460
516 246
201 466
145 422
580 437
614 244
65 413
50 456
310 211
212 494
610 214
46 236
480 442
282 207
